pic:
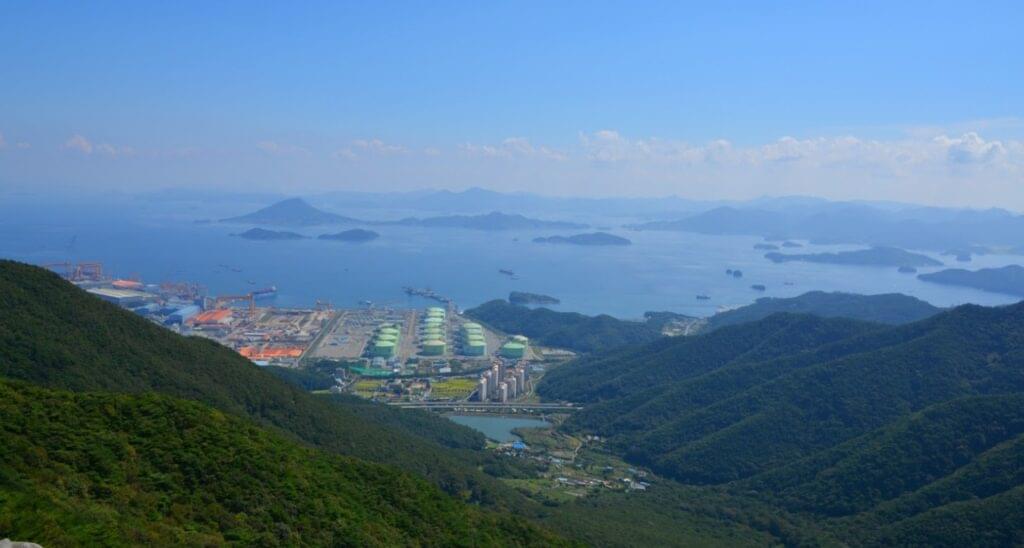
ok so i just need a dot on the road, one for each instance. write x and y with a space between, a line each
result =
486 406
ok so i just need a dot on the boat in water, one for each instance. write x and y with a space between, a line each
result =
506 272
265 292
703 298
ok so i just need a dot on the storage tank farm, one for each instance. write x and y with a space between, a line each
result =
433 336
385 341
473 343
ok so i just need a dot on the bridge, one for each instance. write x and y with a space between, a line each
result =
487 406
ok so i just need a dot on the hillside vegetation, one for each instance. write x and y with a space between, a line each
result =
55 335
569 330
861 427
120 470
890 308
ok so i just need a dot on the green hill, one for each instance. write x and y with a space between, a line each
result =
119 470
54 335
891 308
876 433
563 329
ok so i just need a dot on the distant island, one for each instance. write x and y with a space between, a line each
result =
354 235
264 234
822 222
791 244
524 298
906 270
766 247
494 220
875 256
1008 279
592 238
290 212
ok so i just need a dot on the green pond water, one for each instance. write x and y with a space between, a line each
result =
498 428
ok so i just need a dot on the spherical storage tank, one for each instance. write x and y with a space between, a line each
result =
434 321
513 350
472 325
433 347
386 337
521 339
389 330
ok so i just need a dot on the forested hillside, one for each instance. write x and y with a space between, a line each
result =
54 335
892 308
128 470
861 426
563 329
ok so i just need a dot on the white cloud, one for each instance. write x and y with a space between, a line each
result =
78 143
970 148
23 145
369 147
512 147
282 149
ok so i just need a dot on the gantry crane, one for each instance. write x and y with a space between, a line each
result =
219 302
87 271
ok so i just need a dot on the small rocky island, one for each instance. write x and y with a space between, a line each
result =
524 298
766 247
355 235
264 234
592 238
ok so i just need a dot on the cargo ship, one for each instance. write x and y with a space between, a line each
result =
265 293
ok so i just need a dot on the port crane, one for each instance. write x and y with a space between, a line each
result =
87 271
77 272
223 300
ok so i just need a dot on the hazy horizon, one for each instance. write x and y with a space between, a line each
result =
709 103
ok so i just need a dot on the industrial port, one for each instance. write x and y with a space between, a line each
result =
401 356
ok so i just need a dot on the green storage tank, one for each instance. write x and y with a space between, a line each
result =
472 325
475 348
513 350
384 337
390 330
382 349
434 347
436 321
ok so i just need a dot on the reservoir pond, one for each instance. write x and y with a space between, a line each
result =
498 428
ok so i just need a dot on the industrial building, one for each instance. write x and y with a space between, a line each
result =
126 298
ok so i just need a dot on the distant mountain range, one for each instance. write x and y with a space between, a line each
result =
1008 279
491 221
298 212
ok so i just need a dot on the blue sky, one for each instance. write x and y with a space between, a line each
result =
564 98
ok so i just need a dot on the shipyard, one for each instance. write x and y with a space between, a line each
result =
432 357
